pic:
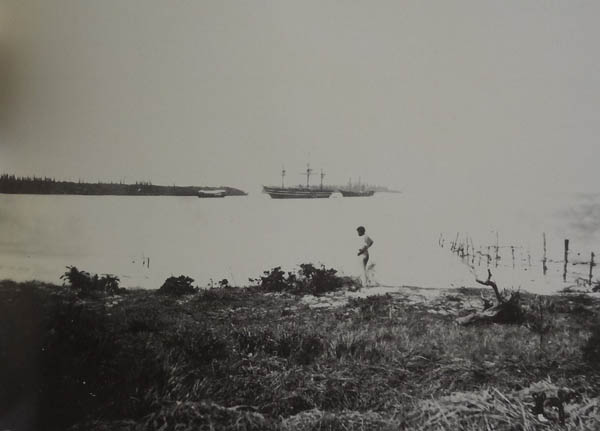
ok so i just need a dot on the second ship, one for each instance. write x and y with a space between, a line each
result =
354 191
299 192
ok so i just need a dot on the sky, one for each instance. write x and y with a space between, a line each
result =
438 95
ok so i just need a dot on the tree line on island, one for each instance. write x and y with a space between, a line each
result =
12 184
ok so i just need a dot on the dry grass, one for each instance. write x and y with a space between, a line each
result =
241 359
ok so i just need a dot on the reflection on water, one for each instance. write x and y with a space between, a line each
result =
146 239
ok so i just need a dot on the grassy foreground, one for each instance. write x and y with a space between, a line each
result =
239 359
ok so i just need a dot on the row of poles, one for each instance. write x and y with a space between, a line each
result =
465 249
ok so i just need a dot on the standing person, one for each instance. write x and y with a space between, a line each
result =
364 252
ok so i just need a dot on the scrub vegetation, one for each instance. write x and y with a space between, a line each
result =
259 358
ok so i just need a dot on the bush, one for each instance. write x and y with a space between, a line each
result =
177 286
319 280
275 280
85 283
307 280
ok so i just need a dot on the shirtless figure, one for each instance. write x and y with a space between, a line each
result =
364 252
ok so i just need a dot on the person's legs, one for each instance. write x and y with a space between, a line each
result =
365 262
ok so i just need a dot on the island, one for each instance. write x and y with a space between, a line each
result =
11 184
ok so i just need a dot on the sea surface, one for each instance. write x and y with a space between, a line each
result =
143 240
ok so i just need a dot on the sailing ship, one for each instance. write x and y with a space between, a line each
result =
299 192
356 191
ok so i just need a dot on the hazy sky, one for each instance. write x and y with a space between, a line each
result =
500 94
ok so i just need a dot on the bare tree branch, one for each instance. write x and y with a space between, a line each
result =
493 285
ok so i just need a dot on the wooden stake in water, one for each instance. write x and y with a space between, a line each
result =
566 259
591 268
544 260
497 257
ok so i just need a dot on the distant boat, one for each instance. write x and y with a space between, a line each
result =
299 192
356 191
212 193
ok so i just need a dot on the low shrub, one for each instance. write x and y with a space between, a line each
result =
85 283
177 286
275 280
318 280
308 279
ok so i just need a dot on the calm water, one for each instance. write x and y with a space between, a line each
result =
239 237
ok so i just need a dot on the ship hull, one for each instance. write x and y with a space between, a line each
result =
297 193
356 194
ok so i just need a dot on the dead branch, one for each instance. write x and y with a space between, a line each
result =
493 285
507 310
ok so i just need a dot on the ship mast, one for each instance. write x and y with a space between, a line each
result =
282 175
308 171
322 176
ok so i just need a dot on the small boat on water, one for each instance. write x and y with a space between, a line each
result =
299 192
212 193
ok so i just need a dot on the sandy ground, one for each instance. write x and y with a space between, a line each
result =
440 301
